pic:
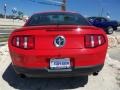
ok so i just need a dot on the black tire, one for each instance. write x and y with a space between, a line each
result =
110 30
115 28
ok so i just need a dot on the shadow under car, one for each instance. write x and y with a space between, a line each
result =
42 83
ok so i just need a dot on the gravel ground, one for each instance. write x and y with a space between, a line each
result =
108 78
115 53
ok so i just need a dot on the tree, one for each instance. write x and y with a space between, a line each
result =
1 15
20 14
14 11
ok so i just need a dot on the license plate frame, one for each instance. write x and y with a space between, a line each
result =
60 63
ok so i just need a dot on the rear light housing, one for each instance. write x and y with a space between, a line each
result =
92 41
24 42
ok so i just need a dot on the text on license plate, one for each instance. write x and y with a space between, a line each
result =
60 63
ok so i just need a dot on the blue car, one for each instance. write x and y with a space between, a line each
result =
108 25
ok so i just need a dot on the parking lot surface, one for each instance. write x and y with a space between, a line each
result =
108 78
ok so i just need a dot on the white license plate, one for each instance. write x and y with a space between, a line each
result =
63 63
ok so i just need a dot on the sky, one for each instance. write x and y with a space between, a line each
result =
84 7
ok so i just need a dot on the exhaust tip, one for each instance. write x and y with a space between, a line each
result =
95 73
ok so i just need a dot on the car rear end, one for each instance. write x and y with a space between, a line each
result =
58 48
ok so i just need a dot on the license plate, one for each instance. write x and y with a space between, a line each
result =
60 63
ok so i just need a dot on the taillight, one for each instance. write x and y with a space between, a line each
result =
92 40
24 42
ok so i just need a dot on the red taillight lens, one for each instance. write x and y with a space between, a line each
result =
92 41
24 42
31 42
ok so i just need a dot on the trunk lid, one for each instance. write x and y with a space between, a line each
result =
46 36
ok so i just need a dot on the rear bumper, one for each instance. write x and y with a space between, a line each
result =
45 72
41 59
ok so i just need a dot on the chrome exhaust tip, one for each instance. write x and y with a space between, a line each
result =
95 73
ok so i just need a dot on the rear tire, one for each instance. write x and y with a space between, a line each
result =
110 30
115 28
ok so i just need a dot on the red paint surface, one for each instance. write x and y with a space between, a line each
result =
45 49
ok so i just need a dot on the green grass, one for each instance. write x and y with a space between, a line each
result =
4 38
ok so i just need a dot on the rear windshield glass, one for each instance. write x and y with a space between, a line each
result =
57 19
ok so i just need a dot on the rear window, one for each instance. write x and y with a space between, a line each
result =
57 19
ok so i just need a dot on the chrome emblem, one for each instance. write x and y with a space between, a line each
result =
59 41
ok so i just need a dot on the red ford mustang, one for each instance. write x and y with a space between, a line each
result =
53 44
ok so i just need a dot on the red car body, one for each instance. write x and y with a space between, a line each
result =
34 49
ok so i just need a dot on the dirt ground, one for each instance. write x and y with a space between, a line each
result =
108 78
